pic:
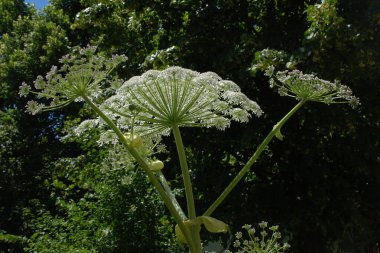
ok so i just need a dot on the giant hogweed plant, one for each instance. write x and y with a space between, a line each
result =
144 108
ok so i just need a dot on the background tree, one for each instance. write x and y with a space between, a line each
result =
29 45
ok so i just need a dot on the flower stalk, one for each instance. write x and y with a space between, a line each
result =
194 227
253 159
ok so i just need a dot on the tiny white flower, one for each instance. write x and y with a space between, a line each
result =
86 125
273 228
251 231
270 71
108 137
234 97
239 115
220 122
33 107
277 235
24 90
246 226
229 85
263 224
238 235
286 246
39 83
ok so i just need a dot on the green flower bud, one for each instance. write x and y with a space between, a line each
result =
156 165
134 140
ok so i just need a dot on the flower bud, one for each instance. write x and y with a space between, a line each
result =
156 165
134 140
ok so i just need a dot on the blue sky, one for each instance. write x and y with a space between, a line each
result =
39 4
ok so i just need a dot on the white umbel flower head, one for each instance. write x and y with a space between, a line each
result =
308 87
158 100
80 74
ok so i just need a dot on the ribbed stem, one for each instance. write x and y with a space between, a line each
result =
166 186
251 161
146 168
194 229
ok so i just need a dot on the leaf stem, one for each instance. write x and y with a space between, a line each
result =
253 159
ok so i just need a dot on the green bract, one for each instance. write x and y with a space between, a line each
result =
308 87
158 100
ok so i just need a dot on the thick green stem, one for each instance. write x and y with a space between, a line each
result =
166 186
185 173
194 230
145 166
252 160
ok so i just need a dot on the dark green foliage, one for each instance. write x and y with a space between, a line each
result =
10 10
99 208
28 47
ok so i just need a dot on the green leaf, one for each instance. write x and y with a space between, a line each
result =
213 225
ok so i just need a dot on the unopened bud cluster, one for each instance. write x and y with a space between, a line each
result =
262 240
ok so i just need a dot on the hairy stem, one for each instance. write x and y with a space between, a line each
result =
253 159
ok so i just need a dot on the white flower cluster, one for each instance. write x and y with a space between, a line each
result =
150 145
157 100
259 241
80 75
308 87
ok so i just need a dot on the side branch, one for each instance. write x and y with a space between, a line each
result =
253 159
